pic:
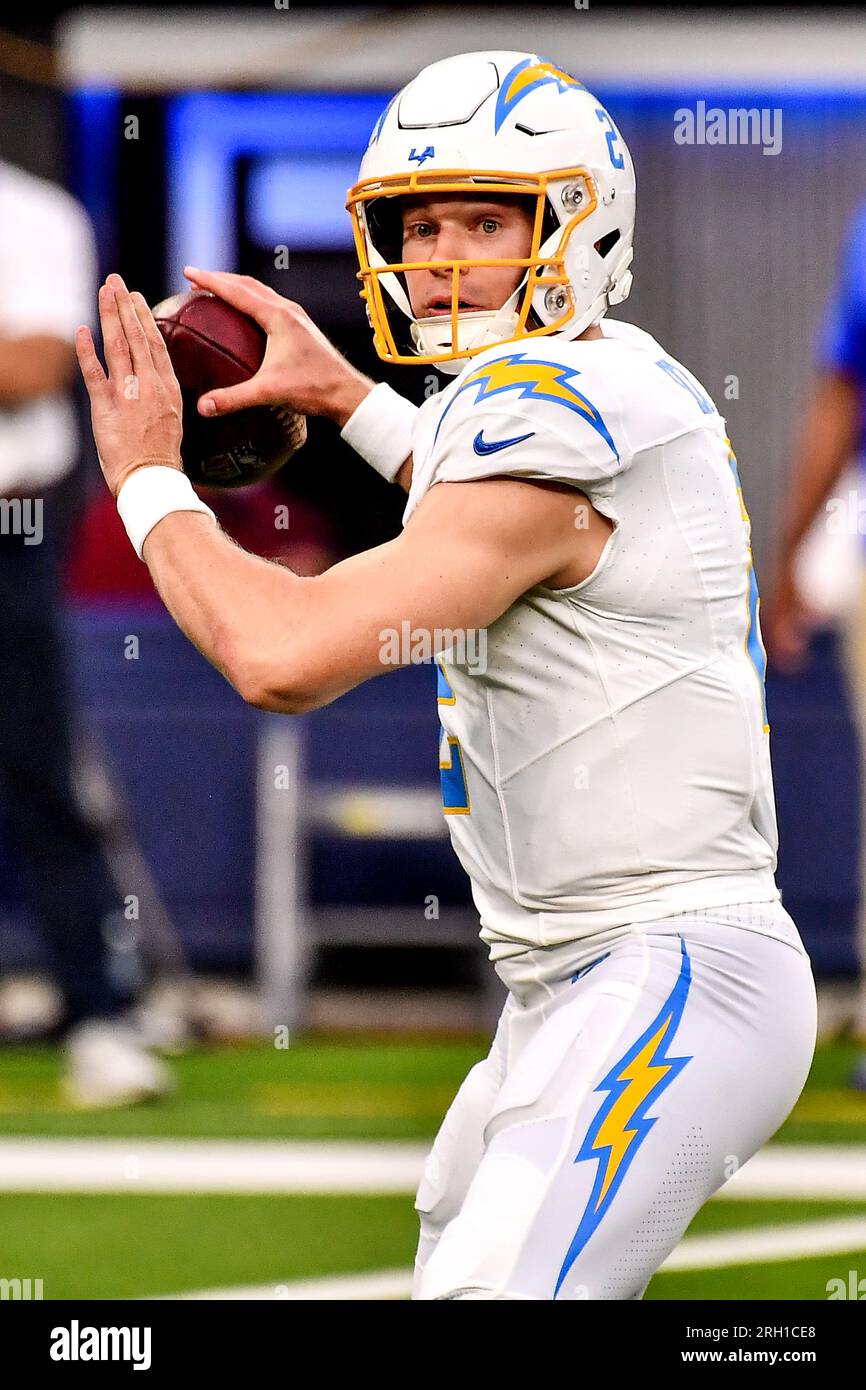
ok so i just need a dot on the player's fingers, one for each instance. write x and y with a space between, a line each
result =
227 399
91 368
259 286
114 344
156 342
227 278
139 349
251 299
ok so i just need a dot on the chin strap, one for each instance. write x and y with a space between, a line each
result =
475 328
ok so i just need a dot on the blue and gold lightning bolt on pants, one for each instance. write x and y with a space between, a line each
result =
612 1105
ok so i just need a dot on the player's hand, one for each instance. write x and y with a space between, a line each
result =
136 410
786 622
301 368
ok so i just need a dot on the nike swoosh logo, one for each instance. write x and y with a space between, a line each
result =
481 446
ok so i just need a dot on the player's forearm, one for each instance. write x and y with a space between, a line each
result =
344 401
829 439
236 608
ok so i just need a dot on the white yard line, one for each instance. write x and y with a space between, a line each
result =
791 1241
205 1165
801 1171
783 1171
794 1241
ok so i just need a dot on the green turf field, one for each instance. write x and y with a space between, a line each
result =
93 1245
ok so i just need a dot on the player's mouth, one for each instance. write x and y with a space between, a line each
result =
443 306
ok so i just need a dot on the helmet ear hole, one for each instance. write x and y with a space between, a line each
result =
607 243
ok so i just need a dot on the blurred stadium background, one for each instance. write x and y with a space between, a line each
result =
307 936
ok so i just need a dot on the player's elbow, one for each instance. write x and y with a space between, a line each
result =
279 700
277 690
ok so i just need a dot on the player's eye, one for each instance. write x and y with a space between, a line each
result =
420 229
489 224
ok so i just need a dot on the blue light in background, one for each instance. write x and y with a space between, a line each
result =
95 122
320 138
299 200
207 132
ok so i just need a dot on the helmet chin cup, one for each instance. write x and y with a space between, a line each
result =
476 330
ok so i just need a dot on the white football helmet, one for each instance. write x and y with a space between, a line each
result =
496 123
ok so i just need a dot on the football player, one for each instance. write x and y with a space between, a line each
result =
606 768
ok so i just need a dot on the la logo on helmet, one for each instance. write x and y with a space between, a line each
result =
425 154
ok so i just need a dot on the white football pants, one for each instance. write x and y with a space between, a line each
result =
612 1105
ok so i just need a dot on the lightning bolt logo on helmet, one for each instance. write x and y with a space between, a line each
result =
525 77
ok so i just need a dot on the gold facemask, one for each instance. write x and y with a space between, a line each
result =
542 270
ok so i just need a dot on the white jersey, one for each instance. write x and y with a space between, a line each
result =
48 276
608 762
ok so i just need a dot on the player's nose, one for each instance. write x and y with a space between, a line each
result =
451 245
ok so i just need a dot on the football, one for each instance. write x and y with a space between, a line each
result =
211 344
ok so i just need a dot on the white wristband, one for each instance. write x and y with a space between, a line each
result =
380 430
151 493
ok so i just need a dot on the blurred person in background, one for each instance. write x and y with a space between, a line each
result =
47 278
831 435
